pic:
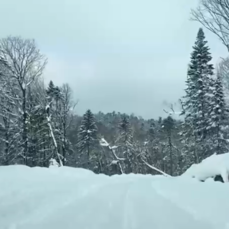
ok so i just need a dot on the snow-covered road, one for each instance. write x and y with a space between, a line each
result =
68 198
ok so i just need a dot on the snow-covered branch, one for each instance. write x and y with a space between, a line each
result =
104 143
154 168
52 135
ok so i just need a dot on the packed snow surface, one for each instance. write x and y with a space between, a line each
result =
68 198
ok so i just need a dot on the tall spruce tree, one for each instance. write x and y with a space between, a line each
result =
87 136
196 102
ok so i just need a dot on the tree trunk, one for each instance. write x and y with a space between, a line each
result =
24 135
6 150
88 155
171 155
196 155
64 143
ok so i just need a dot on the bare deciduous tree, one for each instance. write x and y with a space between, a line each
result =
214 15
223 71
66 116
24 63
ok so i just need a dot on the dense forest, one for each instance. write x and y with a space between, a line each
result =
39 123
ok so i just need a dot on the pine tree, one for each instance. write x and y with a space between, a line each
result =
198 95
51 88
87 137
126 142
152 143
125 131
151 132
168 126
218 120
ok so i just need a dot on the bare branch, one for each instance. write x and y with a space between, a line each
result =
22 59
223 71
214 15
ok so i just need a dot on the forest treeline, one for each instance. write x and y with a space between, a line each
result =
39 123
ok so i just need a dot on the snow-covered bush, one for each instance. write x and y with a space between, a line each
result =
53 163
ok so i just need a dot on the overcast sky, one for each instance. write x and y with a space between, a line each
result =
123 55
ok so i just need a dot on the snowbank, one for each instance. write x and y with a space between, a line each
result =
210 167
68 198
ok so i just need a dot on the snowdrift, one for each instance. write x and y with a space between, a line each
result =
210 167
68 198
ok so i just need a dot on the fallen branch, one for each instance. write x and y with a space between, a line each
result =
154 168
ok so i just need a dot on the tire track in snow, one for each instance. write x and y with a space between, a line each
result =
156 185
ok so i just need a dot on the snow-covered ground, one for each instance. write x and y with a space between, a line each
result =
68 198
